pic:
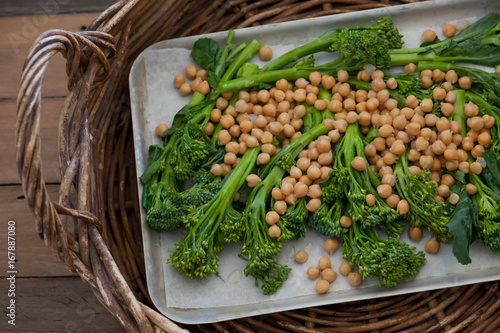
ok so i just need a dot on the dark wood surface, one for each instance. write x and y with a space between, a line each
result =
51 7
49 298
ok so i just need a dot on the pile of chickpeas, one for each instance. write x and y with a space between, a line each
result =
324 268
199 81
436 143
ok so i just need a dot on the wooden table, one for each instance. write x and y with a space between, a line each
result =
49 298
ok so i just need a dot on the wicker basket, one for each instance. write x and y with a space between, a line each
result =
94 227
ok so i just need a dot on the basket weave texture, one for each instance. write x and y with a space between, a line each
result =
94 227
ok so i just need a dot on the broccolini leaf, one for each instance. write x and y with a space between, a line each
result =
460 225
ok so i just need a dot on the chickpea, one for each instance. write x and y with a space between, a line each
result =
280 207
415 234
223 138
313 205
471 109
322 286
402 207
345 221
477 151
386 131
370 199
252 180
274 231
313 172
471 189
190 71
449 30
488 121
432 246
465 82
345 268
216 170
329 275
327 81
263 159
300 189
272 217
428 36
359 163
447 109
268 148
443 190
324 263
475 167
426 82
354 279
484 139
454 198
252 142
331 245
185 89
301 257
393 200
277 194
439 93
410 68
312 272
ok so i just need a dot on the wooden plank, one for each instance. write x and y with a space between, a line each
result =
50 156
53 7
33 258
55 305
17 35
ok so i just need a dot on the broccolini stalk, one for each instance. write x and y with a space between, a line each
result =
478 44
389 260
360 183
196 254
420 192
355 44
259 248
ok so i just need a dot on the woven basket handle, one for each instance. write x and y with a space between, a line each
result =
87 55
75 47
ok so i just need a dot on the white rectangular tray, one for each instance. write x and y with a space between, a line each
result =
155 100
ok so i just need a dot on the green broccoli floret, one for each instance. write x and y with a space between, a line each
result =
388 260
293 223
478 44
326 220
196 254
419 192
191 149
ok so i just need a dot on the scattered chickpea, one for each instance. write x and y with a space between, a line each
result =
190 71
324 263
345 221
345 268
322 286
301 257
354 279
265 53
312 273
331 245
432 246
329 275
449 30
160 129
428 36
